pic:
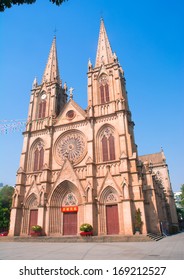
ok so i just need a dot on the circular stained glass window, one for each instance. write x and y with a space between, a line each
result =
70 114
71 145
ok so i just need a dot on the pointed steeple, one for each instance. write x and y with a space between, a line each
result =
104 52
51 73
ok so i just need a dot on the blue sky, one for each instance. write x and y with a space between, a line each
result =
148 39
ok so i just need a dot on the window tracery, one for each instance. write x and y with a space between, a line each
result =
104 89
111 198
38 157
108 144
70 199
42 105
71 145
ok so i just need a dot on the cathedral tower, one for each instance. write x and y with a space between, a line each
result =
46 102
119 186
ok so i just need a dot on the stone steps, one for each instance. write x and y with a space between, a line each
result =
155 237
74 239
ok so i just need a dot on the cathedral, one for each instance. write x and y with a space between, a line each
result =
82 165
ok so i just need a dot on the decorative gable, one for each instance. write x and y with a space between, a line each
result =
72 112
67 173
109 182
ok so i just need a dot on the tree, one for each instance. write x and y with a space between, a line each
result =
180 208
182 195
9 3
6 193
138 220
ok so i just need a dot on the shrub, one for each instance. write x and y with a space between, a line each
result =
36 228
86 227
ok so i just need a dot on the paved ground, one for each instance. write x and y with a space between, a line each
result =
169 248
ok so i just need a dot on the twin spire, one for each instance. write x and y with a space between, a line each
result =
104 52
104 56
51 73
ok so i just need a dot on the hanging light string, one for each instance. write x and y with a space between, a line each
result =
10 126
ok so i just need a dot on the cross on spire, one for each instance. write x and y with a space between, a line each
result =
55 30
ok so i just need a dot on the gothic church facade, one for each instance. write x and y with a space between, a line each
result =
82 166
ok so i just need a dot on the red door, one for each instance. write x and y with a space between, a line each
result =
33 219
70 223
112 219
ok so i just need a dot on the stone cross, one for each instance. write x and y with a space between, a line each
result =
71 92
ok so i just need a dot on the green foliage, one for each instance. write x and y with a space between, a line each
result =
138 220
6 193
86 227
36 228
180 213
9 3
182 195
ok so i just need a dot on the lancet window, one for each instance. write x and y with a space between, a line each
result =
42 105
104 89
38 157
108 144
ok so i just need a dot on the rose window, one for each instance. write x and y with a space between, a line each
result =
71 146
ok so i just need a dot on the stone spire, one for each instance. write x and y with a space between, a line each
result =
104 52
51 73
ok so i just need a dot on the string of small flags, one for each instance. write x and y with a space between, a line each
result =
10 126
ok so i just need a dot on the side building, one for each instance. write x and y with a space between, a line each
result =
82 166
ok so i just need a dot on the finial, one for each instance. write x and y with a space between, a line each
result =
115 57
101 15
34 83
89 65
55 30
71 92
163 156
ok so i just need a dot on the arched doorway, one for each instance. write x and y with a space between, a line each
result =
70 209
64 208
30 214
112 218
109 214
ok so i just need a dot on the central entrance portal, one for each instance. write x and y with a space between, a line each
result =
70 223
63 216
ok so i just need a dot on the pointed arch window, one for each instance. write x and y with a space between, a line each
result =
111 147
105 148
108 145
42 105
102 97
38 157
104 89
107 93
42 109
41 158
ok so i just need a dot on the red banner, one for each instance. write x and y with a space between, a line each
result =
69 209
